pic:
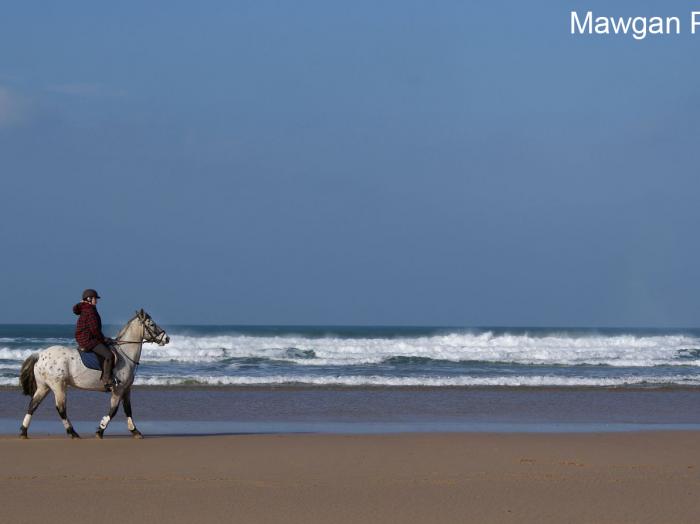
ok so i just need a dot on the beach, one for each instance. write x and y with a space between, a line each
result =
459 477
196 410
304 454
368 425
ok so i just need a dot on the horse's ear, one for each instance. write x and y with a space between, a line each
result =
141 312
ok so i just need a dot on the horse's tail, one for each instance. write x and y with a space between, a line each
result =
26 375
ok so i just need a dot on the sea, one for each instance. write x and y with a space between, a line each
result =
393 356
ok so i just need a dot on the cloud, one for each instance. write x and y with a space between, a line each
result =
85 89
13 108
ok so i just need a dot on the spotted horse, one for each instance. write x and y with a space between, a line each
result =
57 367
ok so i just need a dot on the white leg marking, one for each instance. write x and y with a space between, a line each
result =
27 420
104 422
130 424
66 424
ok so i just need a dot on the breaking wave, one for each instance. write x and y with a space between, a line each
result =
382 357
426 381
618 350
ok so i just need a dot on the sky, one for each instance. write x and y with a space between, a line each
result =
454 163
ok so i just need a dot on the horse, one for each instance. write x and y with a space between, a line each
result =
57 367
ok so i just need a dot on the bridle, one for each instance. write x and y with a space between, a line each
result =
152 337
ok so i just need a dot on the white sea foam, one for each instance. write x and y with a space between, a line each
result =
525 349
554 349
375 380
358 380
620 350
15 354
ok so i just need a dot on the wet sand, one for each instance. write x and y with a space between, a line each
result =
460 477
375 404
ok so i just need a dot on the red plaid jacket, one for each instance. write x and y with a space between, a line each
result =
88 330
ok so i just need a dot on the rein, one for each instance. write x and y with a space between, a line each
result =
121 352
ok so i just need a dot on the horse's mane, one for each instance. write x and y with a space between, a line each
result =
137 315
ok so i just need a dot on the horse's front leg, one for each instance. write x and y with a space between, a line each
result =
113 407
127 411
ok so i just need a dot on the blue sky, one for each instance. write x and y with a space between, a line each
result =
449 163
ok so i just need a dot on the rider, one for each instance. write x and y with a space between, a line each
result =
88 333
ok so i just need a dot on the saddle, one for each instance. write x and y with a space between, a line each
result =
94 361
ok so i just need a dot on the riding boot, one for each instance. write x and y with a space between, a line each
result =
107 370
106 354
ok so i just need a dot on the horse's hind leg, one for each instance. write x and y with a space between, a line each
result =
41 392
60 394
127 411
113 407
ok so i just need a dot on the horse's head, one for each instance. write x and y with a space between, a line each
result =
152 332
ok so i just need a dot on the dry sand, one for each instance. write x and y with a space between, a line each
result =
426 478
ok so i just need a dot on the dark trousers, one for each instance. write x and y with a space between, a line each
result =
104 352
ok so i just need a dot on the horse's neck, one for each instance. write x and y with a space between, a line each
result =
133 333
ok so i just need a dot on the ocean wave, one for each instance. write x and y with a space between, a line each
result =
509 376
15 354
414 381
525 349
375 380
618 350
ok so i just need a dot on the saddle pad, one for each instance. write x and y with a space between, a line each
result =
90 360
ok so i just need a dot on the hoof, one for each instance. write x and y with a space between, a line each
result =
99 434
72 434
23 433
135 433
